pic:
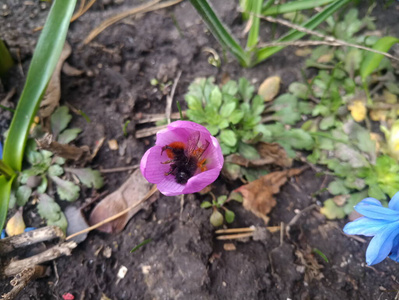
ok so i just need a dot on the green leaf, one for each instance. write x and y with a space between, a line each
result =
48 209
236 116
193 102
286 107
229 216
89 177
294 6
5 191
66 190
60 120
230 88
337 187
236 197
228 137
376 192
372 60
6 61
213 129
44 60
206 204
68 135
221 200
227 109
332 211
216 218
23 193
256 7
41 189
248 151
55 170
352 61
299 90
216 97
327 122
245 89
220 31
299 139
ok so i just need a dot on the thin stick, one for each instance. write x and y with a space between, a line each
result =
119 169
235 236
82 10
150 118
114 217
149 131
169 99
298 215
235 230
150 6
327 39
299 44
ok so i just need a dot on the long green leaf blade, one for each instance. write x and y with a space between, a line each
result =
6 60
294 35
5 191
220 31
293 6
372 60
44 60
254 32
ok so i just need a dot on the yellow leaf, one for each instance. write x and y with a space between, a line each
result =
16 224
377 138
358 110
302 52
269 88
378 115
326 58
389 97
113 144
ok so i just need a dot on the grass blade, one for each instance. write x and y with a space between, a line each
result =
254 32
293 35
372 60
293 6
44 59
6 60
220 31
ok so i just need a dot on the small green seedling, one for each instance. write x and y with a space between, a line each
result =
218 205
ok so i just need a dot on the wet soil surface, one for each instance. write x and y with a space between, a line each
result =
183 260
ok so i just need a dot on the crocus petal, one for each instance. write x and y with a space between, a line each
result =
189 126
381 244
151 165
169 186
394 203
365 226
373 209
167 136
200 181
1 151
395 249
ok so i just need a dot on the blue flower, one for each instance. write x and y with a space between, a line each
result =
380 222
1 151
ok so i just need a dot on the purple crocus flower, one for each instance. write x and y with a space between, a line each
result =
380 222
185 159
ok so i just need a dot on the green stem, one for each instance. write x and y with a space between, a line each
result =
6 61
6 170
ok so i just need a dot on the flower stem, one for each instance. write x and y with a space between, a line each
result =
6 170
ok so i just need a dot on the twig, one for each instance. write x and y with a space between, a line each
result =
114 217
9 95
169 98
149 131
17 266
236 230
9 244
22 279
150 118
150 6
299 44
326 39
298 215
235 236
119 169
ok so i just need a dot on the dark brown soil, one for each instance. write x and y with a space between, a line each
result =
183 260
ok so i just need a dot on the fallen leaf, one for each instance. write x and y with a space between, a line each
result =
275 152
68 70
258 194
16 224
229 247
340 200
326 58
358 110
52 95
389 97
132 191
76 223
269 88
302 52
378 115
113 144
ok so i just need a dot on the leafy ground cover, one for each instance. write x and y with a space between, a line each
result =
180 256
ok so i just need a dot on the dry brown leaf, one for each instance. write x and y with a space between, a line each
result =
16 224
68 70
258 194
326 58
302 52
269 88
113 144
275 152
340 200
133 190
378 115
53 93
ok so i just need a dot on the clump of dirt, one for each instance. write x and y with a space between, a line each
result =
183 260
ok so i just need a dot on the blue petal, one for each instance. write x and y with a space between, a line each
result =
1 151
395 250
373 209
365 226
381 245
394 203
